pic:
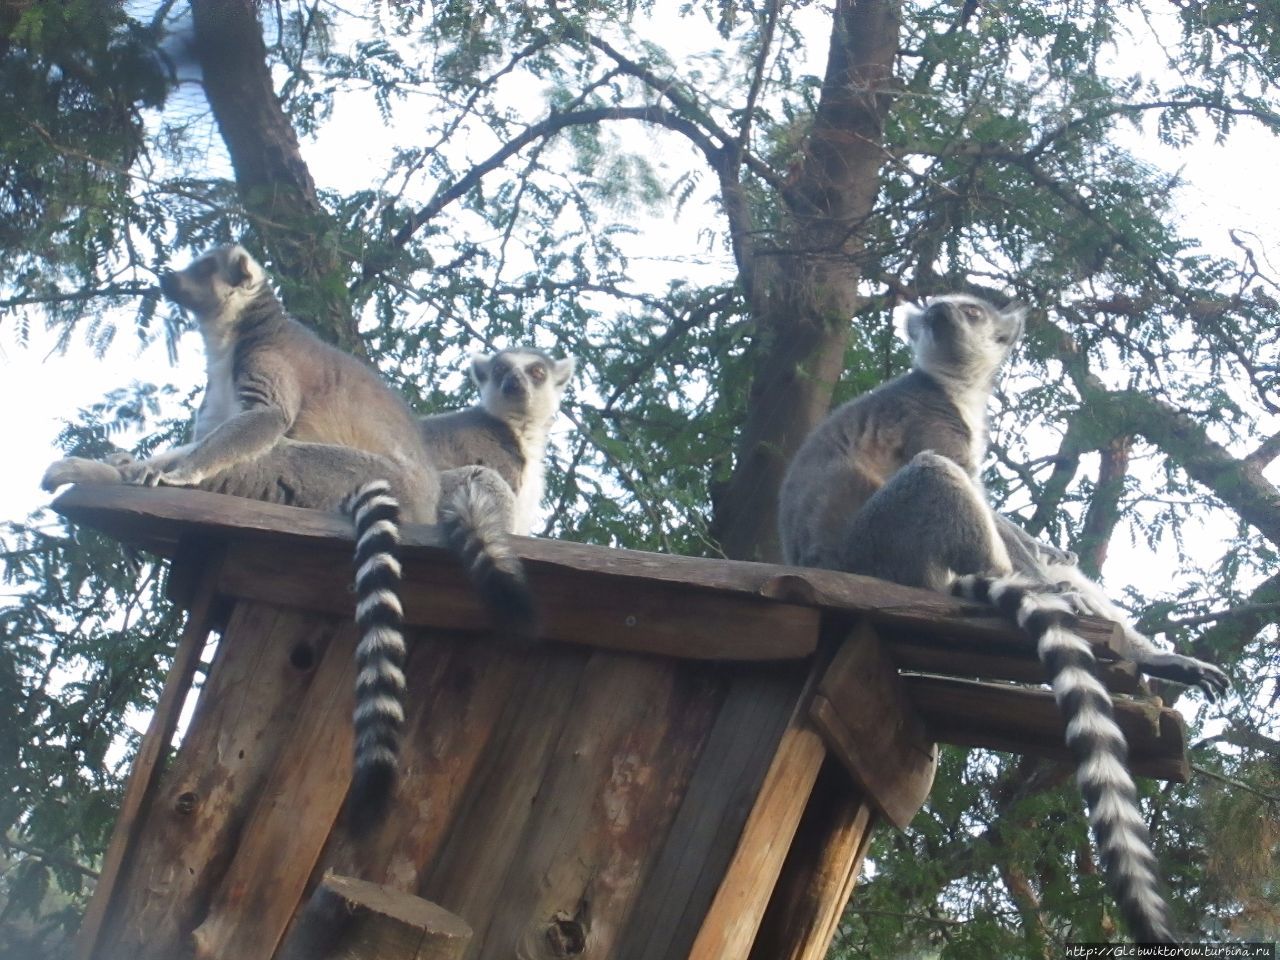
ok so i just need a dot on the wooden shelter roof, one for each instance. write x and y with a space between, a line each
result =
966 671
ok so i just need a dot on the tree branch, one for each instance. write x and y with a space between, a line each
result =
72 296
547 127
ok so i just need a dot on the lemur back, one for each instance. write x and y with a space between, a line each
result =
289 418
888 486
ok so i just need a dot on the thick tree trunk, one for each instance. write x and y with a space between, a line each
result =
275 185
804 290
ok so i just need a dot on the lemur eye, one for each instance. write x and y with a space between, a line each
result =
537 373
972 311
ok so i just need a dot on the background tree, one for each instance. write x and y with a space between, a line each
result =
831 161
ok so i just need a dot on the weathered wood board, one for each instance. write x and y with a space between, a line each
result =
689 764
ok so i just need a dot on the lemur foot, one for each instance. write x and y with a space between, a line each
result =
1211 681
79 470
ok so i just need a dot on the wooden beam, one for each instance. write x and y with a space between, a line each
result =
730 926
871 725
820 871
147 764
1025 720
155 517
610 613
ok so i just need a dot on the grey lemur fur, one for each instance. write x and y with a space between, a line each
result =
888 486
491 458
290 419
520 393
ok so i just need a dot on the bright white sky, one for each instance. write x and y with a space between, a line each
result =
1229 186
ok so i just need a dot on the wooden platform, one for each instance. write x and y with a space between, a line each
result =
689 765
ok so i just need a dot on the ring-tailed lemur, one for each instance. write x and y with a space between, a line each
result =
520 393
888 486
290 419
492 454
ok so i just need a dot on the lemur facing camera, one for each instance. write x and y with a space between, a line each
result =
289 419
888 486
520 393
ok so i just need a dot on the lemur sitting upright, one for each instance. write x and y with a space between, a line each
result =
290 419
888 486
520 393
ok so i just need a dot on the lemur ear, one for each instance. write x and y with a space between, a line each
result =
562 370
1014 319
480 367
243 270
909 321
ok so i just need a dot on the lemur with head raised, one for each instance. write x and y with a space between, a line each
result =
290 419
888 486
520 393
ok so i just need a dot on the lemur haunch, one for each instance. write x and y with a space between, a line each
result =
888 486
290 419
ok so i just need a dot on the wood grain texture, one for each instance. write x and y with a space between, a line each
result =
375 922
1019 719
138 794
695 855
610 791
287 828
869 722
468 874
820 871
155 518
262 668
588 609
730 925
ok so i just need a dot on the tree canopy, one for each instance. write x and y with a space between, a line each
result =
716 208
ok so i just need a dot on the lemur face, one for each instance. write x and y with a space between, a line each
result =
962 335
521 384
223 278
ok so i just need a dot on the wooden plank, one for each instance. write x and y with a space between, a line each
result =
457 693
146 766
262 669
467 875
287 828
704 836
870 724
374 922
1026 720
730 925
981 658
611 789
820 871
631 615
154 518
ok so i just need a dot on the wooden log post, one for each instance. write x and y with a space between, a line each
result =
350 919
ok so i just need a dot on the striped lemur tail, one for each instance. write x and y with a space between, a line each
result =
475 516
1098 744
380 651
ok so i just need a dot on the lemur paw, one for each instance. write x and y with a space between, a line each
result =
78 470
1210 680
